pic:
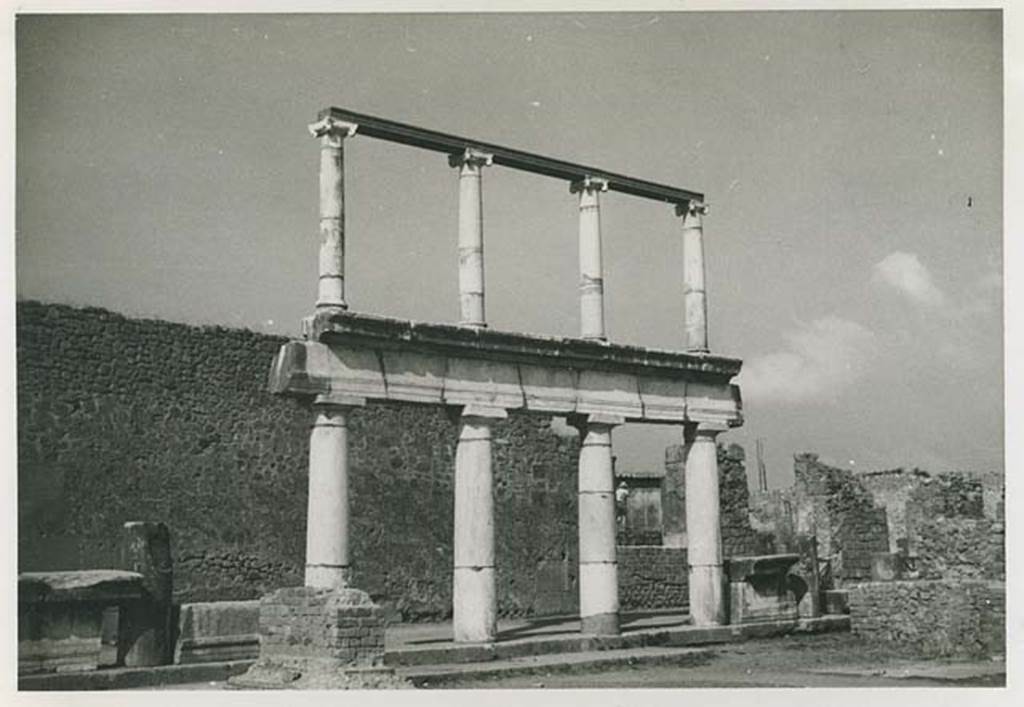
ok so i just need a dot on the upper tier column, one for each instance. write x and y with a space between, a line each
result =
471 237
331 283
694 295
591 269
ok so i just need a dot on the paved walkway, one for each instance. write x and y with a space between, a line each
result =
437 635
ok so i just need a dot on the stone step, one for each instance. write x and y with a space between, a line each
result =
682 636
439 675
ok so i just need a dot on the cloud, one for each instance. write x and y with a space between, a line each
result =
907 273
819 361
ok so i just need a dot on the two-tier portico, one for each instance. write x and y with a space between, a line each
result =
347 358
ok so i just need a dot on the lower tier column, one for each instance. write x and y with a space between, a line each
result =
599 576
327 516
703 527
474 594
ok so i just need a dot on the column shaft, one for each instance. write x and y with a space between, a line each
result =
591 269
694 295
474 596
599 577
327 547
331 283
703 529
471 240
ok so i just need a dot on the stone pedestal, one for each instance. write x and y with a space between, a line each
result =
319 639
60 616
759 589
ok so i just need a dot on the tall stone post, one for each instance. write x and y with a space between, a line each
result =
474 593
599 576
591 270
145 636
331 283
327 515
703 526
471 237
694 295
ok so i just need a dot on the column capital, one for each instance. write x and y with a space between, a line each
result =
338 400
692 208
703 430
590 184
582 421
333 130
471 157
483 413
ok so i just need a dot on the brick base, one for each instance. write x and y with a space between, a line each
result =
319 638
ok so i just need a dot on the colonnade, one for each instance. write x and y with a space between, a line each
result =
474 588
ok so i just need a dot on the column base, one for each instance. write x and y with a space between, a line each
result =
474 605
319 639
327 577
600 624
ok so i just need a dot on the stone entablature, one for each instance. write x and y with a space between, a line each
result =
362 356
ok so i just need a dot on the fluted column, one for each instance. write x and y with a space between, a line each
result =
703 526
599 576
471 237
331 282
327 515
474 593
694 295
591 269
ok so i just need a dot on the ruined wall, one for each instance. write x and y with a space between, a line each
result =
652 578
934 618
739 538
892 489
842 513
122 419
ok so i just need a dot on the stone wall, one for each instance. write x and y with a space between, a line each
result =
934 618
652 578
842 513
122 419
739 538
960 548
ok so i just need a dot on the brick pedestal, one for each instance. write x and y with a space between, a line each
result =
319 638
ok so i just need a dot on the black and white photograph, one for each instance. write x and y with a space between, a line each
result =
522 351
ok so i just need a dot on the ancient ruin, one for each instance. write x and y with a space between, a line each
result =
444 430
481 374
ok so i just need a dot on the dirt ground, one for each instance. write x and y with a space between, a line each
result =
831 660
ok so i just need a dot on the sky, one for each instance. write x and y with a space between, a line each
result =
852 162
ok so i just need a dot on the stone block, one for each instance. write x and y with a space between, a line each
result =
414 377
60 616
601 392
712 404
663 399
836 601
221 631
483 383
548 388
